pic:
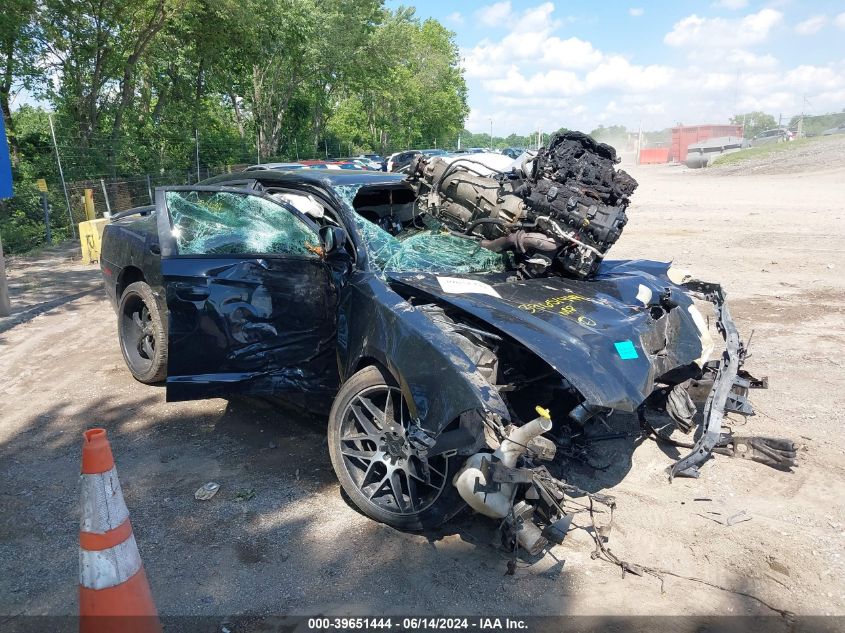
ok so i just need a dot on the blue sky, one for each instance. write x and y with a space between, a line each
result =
580 63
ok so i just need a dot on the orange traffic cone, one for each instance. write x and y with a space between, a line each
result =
114 594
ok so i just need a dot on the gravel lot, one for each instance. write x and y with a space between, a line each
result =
777 242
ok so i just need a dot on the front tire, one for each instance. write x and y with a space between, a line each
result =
379 468
141 332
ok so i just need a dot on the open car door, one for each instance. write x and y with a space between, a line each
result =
251 301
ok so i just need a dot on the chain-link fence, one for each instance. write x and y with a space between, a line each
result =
112 195
61 207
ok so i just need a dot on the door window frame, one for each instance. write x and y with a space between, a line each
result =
167 241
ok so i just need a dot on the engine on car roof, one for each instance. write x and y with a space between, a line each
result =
559 212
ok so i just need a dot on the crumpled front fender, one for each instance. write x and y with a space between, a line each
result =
437 378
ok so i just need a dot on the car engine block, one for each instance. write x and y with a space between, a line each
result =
558 212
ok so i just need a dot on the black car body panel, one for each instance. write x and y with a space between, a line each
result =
595 333
130 243
257 326
437 378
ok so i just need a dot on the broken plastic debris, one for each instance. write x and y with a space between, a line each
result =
245 495
206 491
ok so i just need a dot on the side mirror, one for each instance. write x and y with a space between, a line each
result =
333 239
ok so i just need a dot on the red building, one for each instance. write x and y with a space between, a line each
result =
686 135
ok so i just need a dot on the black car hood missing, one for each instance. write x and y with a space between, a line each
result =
608 335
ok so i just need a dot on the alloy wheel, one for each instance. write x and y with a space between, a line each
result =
389 469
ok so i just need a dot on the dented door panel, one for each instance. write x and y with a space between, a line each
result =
257 326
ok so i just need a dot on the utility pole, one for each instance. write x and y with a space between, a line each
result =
801 121
296 145
61 175
5 305
258 148
45 204
106 197
197 137
491 135
459 141
639 141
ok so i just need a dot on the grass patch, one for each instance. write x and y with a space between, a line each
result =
768 150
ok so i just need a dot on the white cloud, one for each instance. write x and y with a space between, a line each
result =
570 53
814 78
737 58
636 11
530 41
618 73
734 5
537 18
694 30
494 14
534 72
557 83
811 25
455 18
839 21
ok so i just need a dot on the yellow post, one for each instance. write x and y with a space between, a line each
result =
88 202
91 239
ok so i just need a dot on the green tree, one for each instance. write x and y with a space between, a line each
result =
167 87
610 133
19 52
754 122
96 48
412 90
815 125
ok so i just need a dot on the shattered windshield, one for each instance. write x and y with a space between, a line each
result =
430 249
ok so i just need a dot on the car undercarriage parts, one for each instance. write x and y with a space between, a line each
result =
488 483
681 408
520 523
729 364
584 412
561 215
729 393
474 486
772 451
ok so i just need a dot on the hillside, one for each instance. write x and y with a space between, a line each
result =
821 153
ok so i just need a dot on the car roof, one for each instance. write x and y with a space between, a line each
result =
313 176
274 166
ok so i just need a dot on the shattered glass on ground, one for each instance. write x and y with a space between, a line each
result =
430 250
226 223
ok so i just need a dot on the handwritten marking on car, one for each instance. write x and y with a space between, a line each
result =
548 304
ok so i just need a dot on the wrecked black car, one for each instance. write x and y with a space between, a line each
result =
450 329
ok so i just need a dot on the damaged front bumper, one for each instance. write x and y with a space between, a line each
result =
511 486
729 393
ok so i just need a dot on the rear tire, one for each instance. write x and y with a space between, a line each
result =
379 469
140 329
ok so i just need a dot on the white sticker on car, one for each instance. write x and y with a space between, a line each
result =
458 286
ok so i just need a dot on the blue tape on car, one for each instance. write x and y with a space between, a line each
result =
626 350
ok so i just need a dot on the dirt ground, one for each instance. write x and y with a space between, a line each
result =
777 242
